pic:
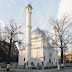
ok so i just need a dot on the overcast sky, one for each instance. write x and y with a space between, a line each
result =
42 11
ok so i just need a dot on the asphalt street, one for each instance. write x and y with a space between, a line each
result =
34 70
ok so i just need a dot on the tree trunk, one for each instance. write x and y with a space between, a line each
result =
61 55
61 52
10 50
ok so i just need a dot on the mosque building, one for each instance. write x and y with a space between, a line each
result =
38 49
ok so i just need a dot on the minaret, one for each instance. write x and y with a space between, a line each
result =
56 52
28 35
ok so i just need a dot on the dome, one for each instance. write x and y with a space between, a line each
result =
38 32
29 5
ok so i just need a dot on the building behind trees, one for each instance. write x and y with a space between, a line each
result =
4 49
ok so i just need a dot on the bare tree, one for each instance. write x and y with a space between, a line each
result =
63 35
11 31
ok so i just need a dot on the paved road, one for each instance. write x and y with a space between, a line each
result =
31 70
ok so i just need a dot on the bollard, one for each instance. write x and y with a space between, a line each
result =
58 66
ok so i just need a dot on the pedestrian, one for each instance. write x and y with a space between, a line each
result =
8 66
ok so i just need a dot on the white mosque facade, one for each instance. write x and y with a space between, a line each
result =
38 49
41 50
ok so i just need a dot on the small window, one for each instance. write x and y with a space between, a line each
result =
44 58
28 8
24 59
49 61
54 59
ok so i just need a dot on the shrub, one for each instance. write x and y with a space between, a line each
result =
24 65
39 66
71 61
32 63
67 61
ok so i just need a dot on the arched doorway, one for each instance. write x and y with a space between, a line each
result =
50 58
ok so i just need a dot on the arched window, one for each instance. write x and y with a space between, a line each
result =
50 57
49 61
44 58
24 59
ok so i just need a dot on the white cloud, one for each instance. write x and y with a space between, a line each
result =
65 7
10 2
1 21
2 24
